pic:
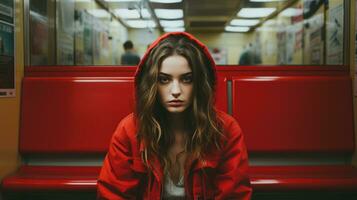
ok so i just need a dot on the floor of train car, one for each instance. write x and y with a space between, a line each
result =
300 195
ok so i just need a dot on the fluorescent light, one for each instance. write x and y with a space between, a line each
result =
122 0
100 13
237 28
131 13
266 0
244 22
145 13
255 12
172 23
165 1
126 13
83 1
141 23
179 29
291 12
169 13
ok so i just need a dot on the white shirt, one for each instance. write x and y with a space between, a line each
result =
173 191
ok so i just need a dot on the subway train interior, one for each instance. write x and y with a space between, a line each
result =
286 71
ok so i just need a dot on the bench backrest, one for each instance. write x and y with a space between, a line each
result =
277 113
295 113
72 115
77 114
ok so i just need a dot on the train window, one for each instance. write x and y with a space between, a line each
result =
41 33
246 32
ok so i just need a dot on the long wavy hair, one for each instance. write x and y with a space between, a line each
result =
205 128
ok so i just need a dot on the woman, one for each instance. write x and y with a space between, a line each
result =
176 145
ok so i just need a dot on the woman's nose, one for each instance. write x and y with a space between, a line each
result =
175 89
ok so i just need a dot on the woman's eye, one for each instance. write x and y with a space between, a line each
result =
187 79
163 80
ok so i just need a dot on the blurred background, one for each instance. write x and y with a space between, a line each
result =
245 32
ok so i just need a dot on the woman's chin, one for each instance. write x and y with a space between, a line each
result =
176 109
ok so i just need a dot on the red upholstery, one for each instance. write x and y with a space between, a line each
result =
295 113
221 94
80 114
73 114
287 178
53 178
263 178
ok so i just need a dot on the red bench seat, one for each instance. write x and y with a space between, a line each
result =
30 178
263 178
304 178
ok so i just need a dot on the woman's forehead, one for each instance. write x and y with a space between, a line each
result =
175 65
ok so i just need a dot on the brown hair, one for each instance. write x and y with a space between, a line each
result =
205 127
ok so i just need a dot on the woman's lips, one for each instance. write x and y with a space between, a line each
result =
175 103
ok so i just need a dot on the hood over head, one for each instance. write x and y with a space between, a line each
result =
210 66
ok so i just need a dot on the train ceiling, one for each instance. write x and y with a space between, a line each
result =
192 15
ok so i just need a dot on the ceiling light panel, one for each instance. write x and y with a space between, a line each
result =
172 23
83 1
180 29
122 0
237 29
165 1
169 13
131 13
244 22
255 12
266 0
145 13
141 23
127 14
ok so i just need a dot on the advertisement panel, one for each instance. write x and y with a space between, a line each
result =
7 65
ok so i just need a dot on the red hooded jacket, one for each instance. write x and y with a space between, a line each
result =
220 174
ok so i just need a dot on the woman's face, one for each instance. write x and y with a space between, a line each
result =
175 84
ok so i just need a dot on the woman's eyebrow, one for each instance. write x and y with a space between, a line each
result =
164 74
186 74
